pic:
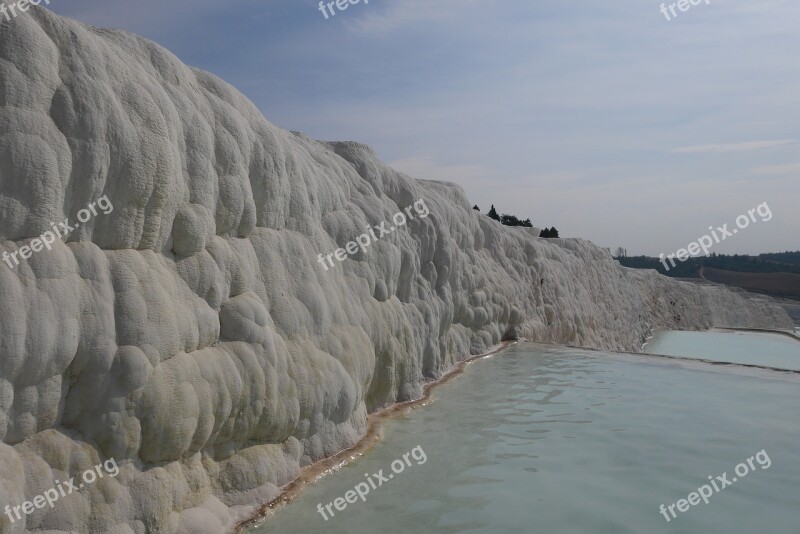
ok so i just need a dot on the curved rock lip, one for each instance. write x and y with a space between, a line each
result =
193 335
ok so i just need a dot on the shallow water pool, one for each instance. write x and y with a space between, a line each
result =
550 439
747 348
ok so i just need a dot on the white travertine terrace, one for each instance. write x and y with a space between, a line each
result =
192 335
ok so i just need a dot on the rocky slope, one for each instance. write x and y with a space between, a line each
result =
191 333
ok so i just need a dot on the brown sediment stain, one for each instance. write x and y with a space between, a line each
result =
375 421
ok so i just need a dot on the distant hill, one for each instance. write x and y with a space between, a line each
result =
776 274
776 262
784 285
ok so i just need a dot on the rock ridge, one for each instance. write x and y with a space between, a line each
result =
192 335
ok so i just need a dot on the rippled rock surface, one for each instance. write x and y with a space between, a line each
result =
191 333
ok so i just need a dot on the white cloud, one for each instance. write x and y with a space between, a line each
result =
791 168
734 147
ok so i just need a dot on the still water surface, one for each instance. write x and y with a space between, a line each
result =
550 439
749 348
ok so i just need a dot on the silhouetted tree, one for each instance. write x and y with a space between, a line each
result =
513 220
549 232
507 219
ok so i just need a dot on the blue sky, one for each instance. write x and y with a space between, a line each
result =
599 117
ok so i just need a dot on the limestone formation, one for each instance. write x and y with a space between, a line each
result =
192 335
